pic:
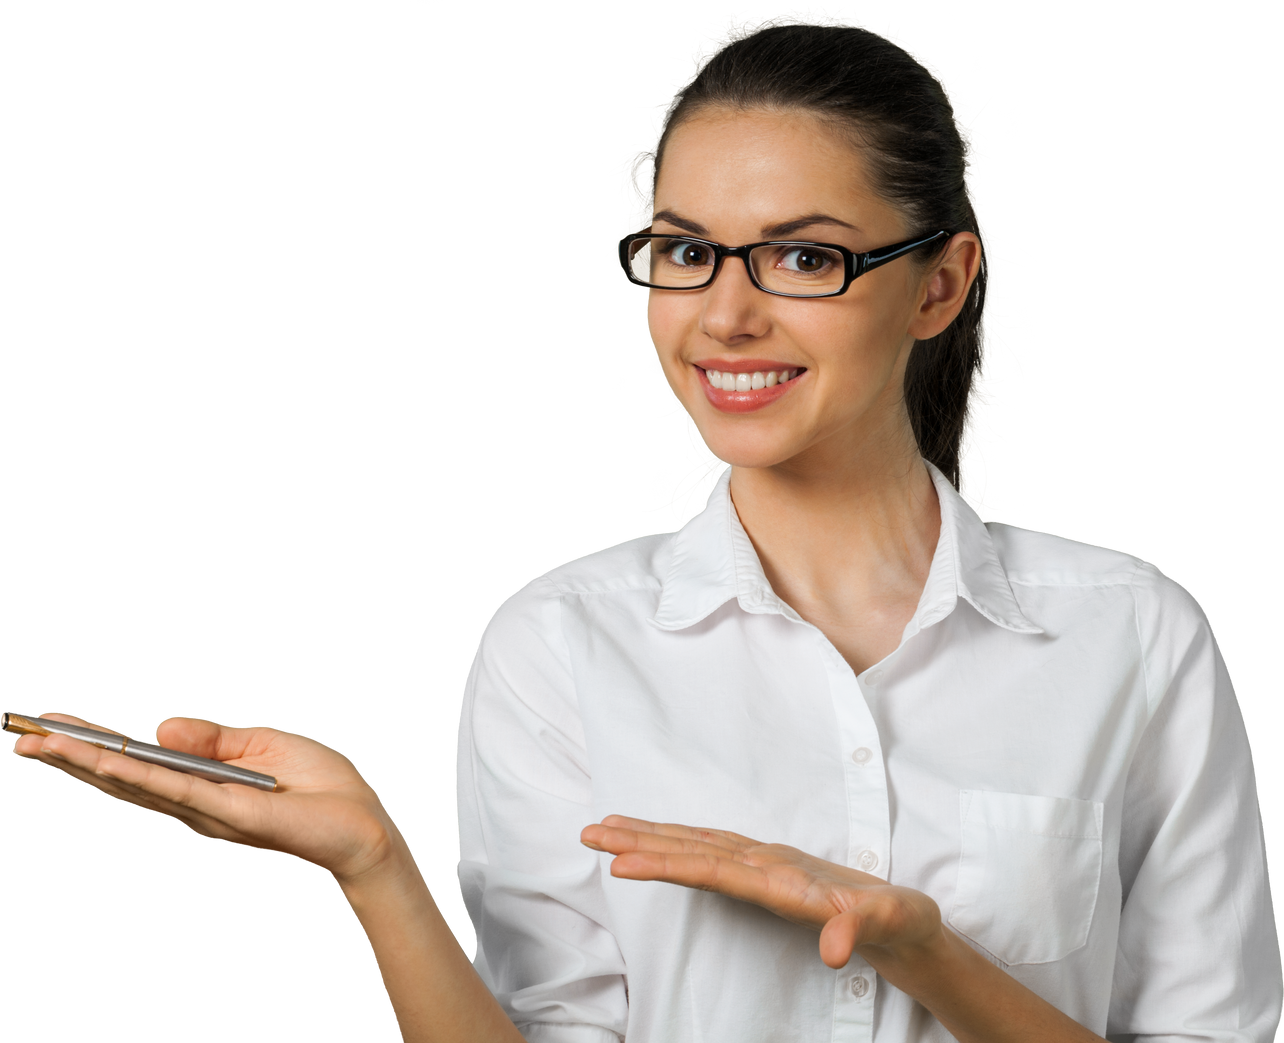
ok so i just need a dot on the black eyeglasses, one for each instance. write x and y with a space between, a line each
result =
787 269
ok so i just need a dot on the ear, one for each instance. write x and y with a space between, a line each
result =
946 285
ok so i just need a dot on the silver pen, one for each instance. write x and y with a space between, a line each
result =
201 767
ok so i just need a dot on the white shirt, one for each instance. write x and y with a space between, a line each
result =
1054 753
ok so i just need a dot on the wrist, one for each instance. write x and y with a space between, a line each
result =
380 861
394 891
916 967
973 999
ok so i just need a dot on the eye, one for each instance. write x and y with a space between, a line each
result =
689 255
806 259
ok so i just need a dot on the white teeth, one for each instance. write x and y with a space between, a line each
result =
749 381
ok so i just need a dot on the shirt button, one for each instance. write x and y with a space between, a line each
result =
859 987
862 754
867 860
873 677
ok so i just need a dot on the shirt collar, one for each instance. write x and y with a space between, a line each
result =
712 561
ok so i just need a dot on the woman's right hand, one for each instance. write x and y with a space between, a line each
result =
323 810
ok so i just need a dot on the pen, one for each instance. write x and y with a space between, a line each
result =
201 767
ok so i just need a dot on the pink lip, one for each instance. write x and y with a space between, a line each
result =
745 401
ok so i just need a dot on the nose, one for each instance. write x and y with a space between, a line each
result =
733 308
742 279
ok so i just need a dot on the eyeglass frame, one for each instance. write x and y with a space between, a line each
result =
854 265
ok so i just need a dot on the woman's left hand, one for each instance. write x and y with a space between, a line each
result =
852 910
898 930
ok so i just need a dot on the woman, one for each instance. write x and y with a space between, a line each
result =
1002 774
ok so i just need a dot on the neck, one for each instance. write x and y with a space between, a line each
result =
846 542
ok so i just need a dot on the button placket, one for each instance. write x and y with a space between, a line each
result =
869 826
855 987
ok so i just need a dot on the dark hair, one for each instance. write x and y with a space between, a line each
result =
899 115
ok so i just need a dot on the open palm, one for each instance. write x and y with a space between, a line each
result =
323 811
851 909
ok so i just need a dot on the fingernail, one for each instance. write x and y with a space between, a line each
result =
51 753
591 845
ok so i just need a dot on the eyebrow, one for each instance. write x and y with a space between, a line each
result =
777 231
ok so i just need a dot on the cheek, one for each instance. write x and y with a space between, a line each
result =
871 333
660 323
668 318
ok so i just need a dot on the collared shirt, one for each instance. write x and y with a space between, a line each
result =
1053 753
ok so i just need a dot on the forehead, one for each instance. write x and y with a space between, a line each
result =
756 168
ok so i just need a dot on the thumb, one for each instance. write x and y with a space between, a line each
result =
203 738
838 938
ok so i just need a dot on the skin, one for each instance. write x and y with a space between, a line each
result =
827 480
830 487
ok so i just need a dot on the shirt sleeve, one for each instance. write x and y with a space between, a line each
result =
544 945
1198 957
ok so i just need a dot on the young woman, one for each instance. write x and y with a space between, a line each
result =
1003 775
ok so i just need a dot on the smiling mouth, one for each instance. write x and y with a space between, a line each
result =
755 381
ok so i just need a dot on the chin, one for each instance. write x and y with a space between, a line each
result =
749 452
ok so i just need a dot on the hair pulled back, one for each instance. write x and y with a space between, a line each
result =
900 117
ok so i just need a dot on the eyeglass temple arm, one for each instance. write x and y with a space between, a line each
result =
876 258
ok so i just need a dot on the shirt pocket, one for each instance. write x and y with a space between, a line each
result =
1029 869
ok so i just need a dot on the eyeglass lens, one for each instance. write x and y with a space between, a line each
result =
801 269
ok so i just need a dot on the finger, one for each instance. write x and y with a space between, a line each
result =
66 718
172 787
718 837
618 841
63 747
704 872
31 745
85 765
158 787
